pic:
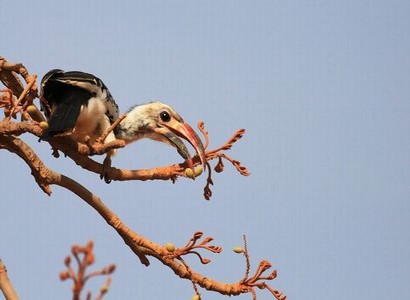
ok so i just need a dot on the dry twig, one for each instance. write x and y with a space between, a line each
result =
84 257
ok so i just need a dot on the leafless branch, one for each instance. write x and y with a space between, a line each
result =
5 284
84 257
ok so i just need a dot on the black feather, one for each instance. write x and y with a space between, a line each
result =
64 94
65 102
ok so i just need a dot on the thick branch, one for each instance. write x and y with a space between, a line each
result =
134 241
45 176
160 173
41 173
71 149
11 128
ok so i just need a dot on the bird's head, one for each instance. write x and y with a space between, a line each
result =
160 122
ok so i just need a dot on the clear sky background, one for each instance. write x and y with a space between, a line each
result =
322 88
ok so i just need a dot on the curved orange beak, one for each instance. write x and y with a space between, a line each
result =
186 132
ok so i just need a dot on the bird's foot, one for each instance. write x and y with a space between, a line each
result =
83 148
106 167
55 152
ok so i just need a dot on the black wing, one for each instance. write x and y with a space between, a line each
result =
66 93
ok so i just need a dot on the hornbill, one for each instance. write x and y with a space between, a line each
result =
80 106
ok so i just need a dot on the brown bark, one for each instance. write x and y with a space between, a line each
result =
5 284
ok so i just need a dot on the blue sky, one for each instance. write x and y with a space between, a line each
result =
322 88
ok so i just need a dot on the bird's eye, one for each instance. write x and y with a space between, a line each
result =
165 117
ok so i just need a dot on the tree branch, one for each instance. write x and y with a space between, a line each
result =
85 257
5 284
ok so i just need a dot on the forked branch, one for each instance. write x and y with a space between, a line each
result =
84 258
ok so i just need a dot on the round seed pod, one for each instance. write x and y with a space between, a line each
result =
189 172
237 249
43 125
170 247
198 170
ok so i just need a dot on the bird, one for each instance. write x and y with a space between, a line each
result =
79 105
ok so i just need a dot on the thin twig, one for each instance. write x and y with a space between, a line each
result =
80 277
248 262
111 128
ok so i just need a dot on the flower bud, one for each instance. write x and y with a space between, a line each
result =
103 289
67 261
64 275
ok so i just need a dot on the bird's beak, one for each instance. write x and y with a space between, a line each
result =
183 130
173 140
